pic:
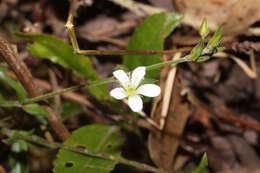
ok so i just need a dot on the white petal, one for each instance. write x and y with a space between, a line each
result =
135 103
122 77
118 93
149 90
137 76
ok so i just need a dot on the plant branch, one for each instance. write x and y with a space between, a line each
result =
73 88
77 87
17 65
71 31
69 25
86 152
132 52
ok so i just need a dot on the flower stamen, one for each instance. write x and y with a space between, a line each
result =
133 89
130 91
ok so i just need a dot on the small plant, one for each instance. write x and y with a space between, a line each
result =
95 148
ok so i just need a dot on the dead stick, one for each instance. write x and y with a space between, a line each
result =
25 77
19 68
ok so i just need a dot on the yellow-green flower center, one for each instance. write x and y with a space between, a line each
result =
130 91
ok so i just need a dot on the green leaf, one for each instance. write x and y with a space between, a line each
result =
214 42
98 138
196 51
21 93
203 58
220 49
13 135
69 108
37 111
59 52
150 36
202 166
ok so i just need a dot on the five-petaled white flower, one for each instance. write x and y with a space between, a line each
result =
131 88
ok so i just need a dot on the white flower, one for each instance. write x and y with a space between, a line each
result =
131 88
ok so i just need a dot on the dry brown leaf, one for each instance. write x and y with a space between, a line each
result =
163 144
235 16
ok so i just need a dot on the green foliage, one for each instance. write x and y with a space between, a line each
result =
21 93
214 42
39 112
13 135
98 138
59 52
150 36
69 108
196 52
201 54
202 166
33 109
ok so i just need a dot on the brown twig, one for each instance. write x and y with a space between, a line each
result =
237 119
20 69
225 114
133 52
25 77
57 99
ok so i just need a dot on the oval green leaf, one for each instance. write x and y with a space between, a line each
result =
150 36
98 138
59 52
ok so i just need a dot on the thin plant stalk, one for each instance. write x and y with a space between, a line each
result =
77 87
41 141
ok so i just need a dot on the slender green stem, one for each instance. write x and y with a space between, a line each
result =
74 88
52 94
92 84
86 152
10 104
162 64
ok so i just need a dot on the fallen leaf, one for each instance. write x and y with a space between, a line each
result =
164 144
235 16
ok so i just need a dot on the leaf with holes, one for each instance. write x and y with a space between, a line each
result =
150 36
98 138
